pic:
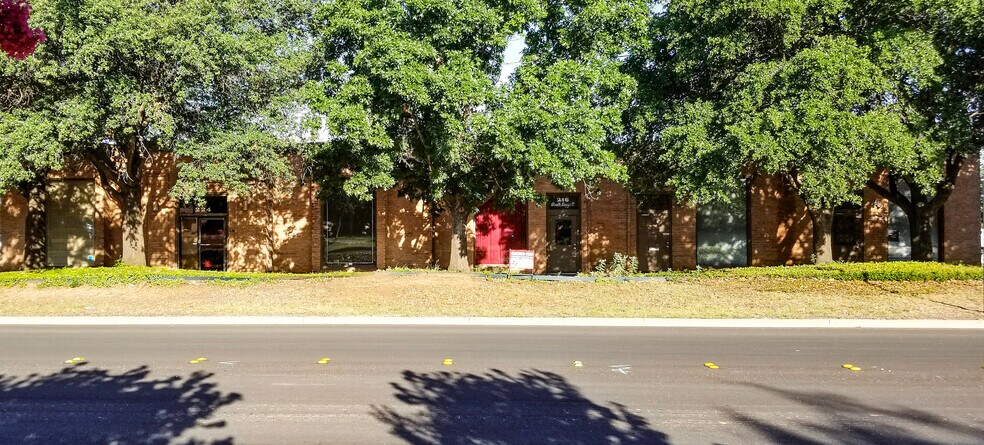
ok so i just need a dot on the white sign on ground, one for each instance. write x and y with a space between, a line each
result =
521 261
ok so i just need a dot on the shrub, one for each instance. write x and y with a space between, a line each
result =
621 266
893 271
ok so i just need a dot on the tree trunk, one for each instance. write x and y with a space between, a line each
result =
459 239
134 242
36 233
823 245
921 208
921 230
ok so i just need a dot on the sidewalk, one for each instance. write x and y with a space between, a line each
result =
490 321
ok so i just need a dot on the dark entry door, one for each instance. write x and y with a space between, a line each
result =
564 234
655 233
203 243
848 233
202 234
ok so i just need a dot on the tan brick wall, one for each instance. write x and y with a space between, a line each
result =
249 247
536 231
962 217
403 233
794 229
291 231
12 231
316 215
160 211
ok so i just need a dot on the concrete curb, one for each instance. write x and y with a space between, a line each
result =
483 321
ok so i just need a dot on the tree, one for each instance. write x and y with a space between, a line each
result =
122 82
787 89
27 154
406 90
17 39
941 102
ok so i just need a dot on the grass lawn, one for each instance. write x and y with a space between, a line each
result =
707 295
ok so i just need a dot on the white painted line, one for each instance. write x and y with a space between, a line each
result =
482 321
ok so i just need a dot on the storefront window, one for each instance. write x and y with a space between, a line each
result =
349 231
722 233
899 236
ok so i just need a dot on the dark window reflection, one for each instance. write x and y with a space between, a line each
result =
564 232
722 233
349 231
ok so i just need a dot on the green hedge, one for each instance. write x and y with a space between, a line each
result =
893 271
123 275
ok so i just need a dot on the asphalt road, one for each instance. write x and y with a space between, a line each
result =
508 385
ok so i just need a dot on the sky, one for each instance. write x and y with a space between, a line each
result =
512 57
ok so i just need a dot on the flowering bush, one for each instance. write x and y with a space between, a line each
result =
17 39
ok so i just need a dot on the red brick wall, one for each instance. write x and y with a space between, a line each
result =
962 217
876 222
780 226
766 213
281 231
684 236
608 224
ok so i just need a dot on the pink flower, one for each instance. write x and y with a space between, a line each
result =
17 38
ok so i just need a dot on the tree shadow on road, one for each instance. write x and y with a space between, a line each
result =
531 407
836 418
80 404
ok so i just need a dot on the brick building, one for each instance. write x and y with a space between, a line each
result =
296 231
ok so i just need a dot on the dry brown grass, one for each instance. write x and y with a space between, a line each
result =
446 294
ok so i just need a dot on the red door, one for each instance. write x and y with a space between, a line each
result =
497 231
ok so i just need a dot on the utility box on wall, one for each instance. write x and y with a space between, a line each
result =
521 261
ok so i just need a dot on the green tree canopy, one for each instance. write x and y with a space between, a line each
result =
935 53
121 82
806 89
407 92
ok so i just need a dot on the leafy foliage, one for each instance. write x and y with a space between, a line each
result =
120 80
122 83
894 271
406 91
128 275
782 88
621 266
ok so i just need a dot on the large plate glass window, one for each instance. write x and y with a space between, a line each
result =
899 236
71 223
722 233
349 231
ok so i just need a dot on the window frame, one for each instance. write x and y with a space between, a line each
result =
325 208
